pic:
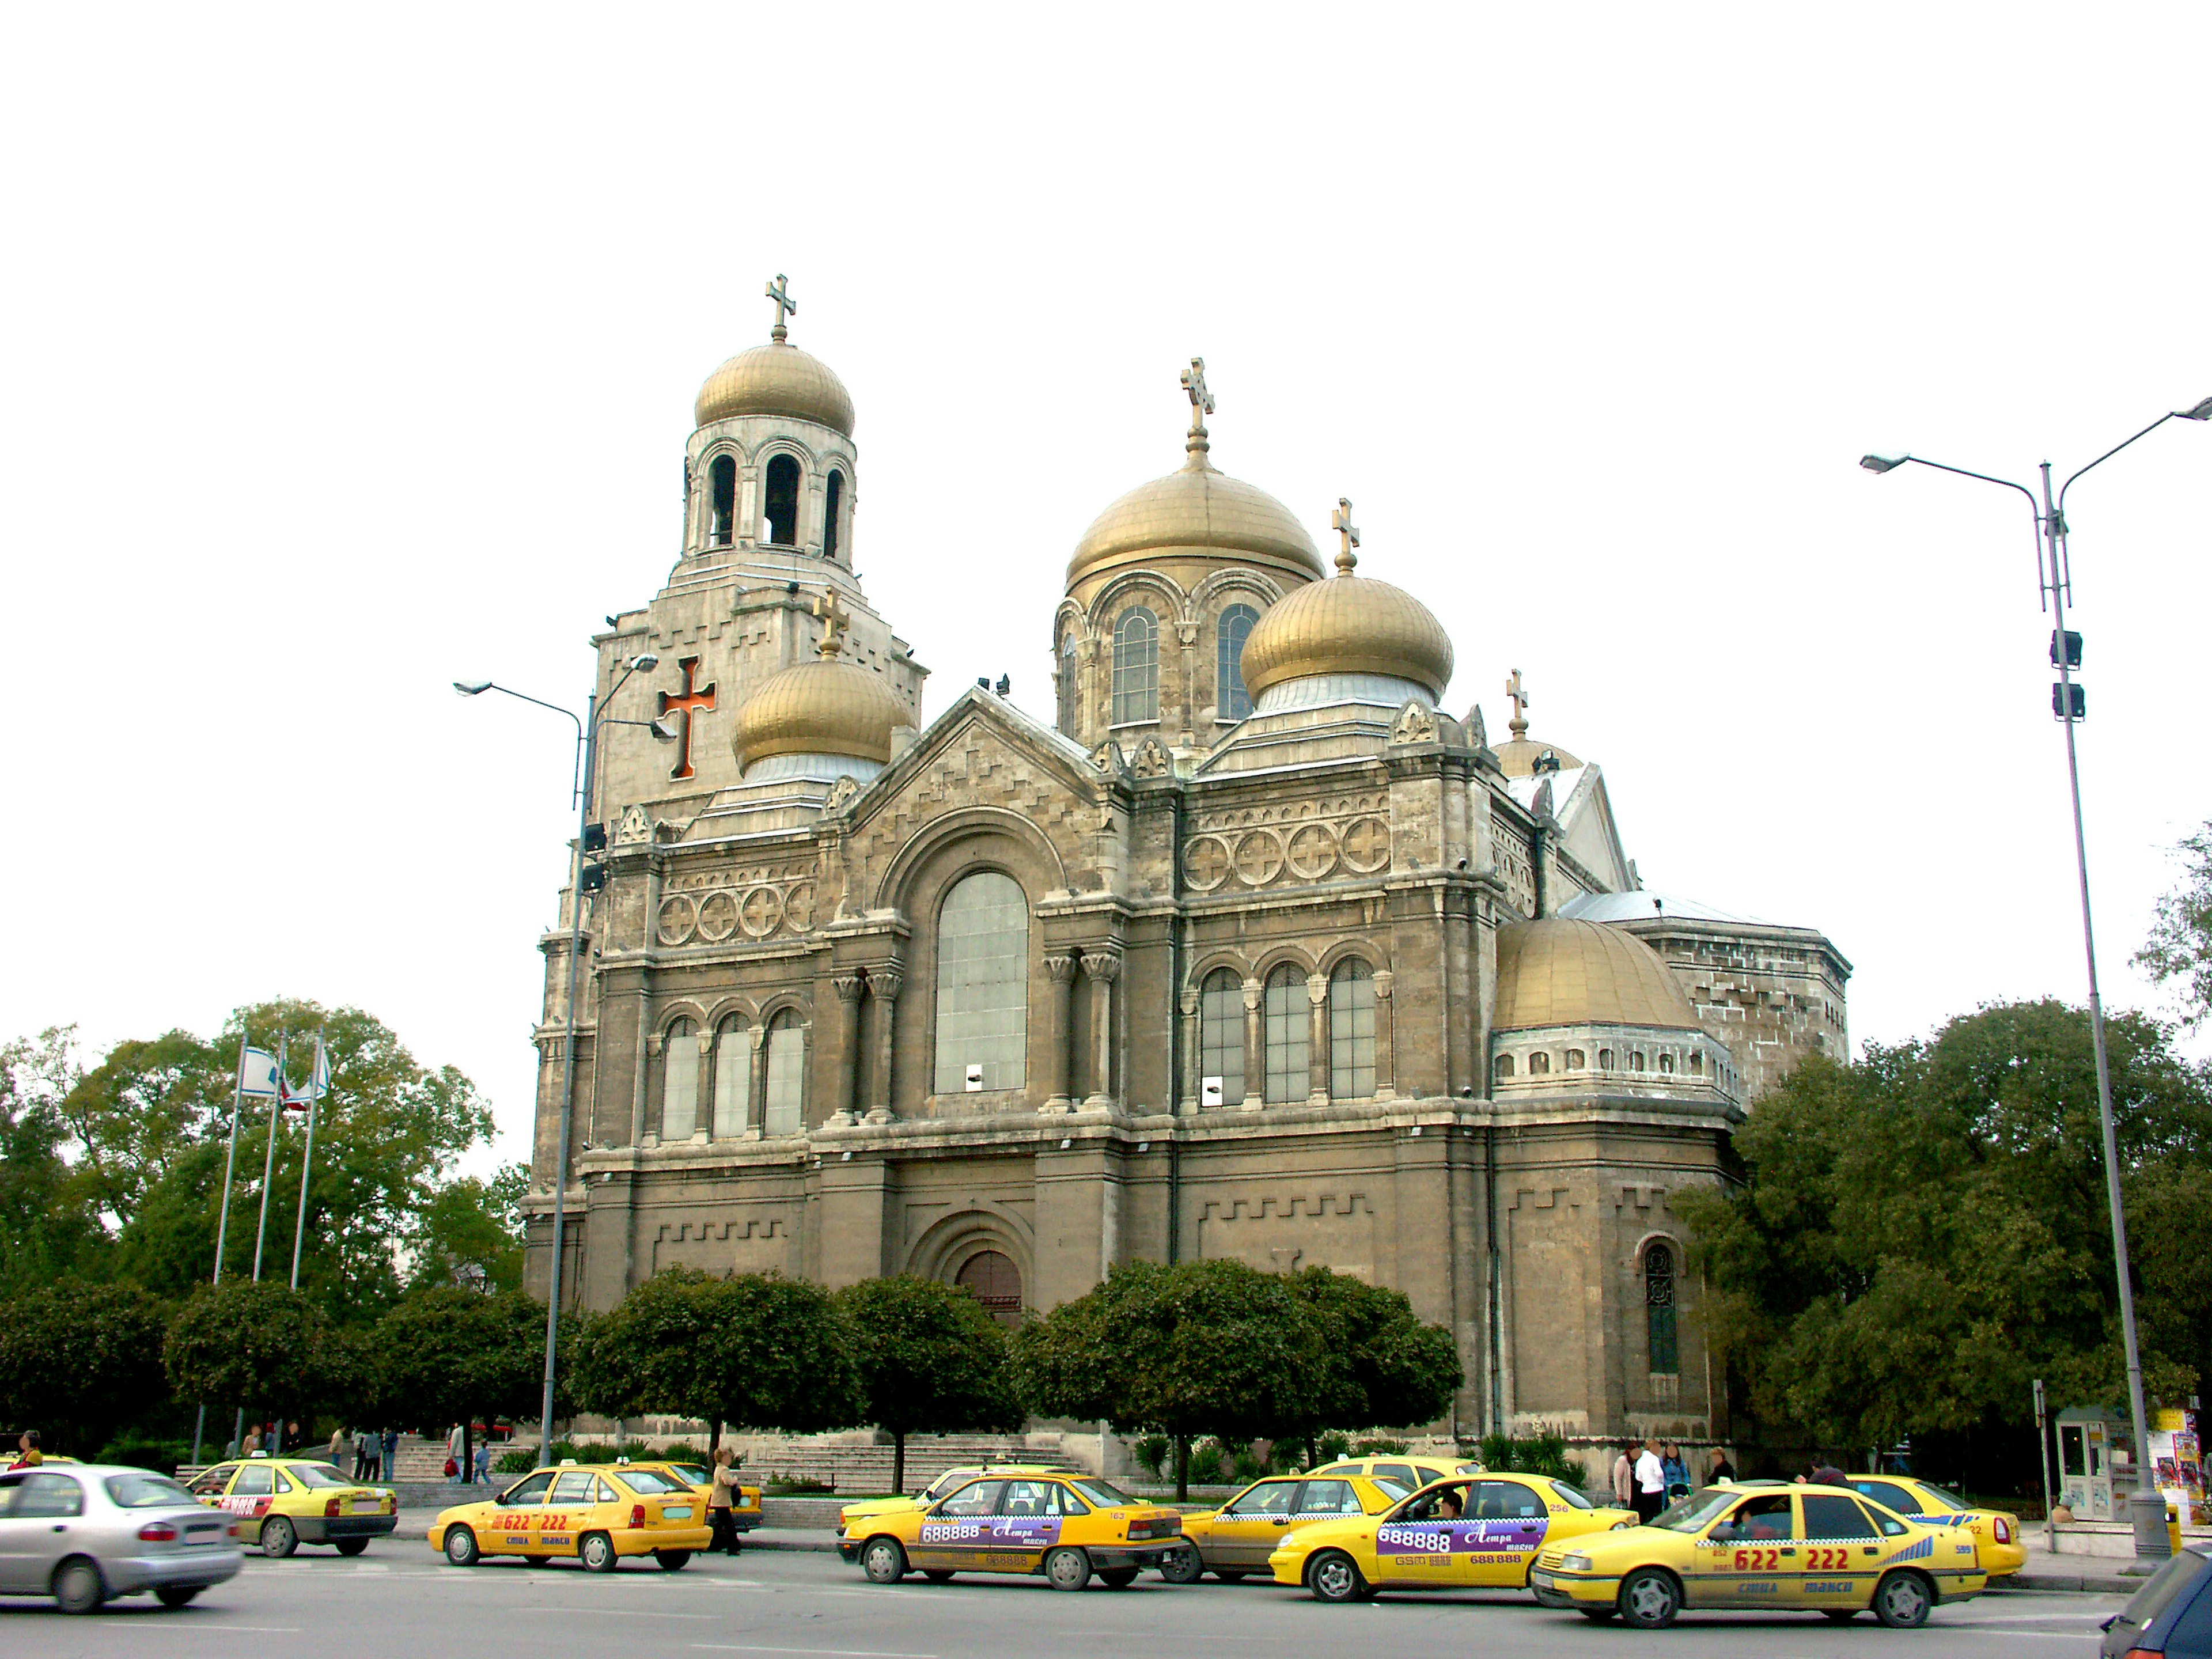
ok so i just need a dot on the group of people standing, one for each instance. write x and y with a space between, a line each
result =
1647 1478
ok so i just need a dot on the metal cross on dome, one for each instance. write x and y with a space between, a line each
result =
834 622
1348 533
1201 396
1519 699
686 703
780 291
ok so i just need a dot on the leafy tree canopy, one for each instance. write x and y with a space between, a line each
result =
45 1229
928 1359
78 1361
2178 952
1382 1367
443 1355
263 1347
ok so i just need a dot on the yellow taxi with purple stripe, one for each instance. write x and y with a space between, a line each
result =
1067 1527
594 1513
1237 1537
1469 1532
1815 1549
1997 1541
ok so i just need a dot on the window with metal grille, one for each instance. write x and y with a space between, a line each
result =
1221 1033
982 983
1287 1011
1659 1309
1229 634
1351 1030
679 1081
786 1075
733 1079
1136 667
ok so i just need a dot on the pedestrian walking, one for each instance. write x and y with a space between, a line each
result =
483 1461
1623 1478
1678 1471
388 1466
1722 1468
1650 1482
456 1445
718 1516
337 1447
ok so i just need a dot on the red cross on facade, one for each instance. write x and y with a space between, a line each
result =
684 702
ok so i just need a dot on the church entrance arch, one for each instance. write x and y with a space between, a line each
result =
996 1283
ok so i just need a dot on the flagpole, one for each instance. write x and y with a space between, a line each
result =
222 1225
269 1165
307 1160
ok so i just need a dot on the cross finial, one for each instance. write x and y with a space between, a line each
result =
1347 536
1519 724
1201 405
780 291
833 623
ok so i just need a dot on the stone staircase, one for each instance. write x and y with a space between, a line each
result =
855 1466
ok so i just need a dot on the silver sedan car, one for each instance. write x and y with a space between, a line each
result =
83 1532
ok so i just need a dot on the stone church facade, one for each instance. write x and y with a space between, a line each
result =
1257 951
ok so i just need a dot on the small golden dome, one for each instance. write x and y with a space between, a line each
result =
1198 510
776 379
1558 972
1518 756
820 708
1348 625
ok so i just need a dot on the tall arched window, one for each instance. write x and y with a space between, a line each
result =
1221 1032
1287 1015
833 505
982 983
1229 636
1351 1030
1501 1067
679 1081
722 509
1137 667
782 502
1659 1309
1068 691
785 1105
733 1079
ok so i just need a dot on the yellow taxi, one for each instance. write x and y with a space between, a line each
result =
281 1503
1238 1537
1411 1473
1821 1549
744 1501
1998 1542
853 1517
1461 1533
1065 1527
596 1512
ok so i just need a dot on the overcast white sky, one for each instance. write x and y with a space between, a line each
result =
349 351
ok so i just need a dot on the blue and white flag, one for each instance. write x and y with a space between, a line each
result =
317 1084
257 1074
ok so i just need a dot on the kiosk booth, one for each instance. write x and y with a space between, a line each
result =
2088 1436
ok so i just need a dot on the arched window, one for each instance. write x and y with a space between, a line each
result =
1287 1014
1605 1060
1068 691
782 502
982 983
1540 1064
722 494
1659 1309
1137 667
1574 1060
1636 1059
785 1105
833 505
1351 1030
733 1079
1666 1064
1503 1066
1221 1033
995 1282
1696 1064
1229 636
679 1081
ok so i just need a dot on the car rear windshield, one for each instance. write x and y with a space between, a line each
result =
316 1477
1949 1500
1102 1494
1571 1497
650 1483
144 1492
1694 1513
2179 1573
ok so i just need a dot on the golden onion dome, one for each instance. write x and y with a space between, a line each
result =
1196 510
1517 755
776 379
821 708
1558 972
1348 625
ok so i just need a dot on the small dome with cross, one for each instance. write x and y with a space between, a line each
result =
826 707
1348 626
776 379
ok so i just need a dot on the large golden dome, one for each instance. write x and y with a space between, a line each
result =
1348 625
1196 510
776 379
820 708
1558 972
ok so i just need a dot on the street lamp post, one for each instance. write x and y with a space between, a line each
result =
2054 577
587 747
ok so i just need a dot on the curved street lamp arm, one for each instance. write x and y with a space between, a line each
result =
2102 458
2033 508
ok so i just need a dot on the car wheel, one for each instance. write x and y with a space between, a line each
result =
671 1560
178 1595
884 1561
938 1575
461 1547
1184 1565
1650 1599
1334 1576
352 1545
278 1538
1117 1578
597 1552
1066 1569
1901 1600
78 1587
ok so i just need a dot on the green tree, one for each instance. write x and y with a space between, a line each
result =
752 1351
134 1115
1204 1347
469 1232
46 1231
80 1361
444 1355
1383 1367
928 1359
2178 952
264 1347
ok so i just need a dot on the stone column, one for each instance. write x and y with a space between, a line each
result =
650 1046
1192 1065
756 1059
1385 1070
883 996
760 1078
1317 1041
849 1108
702 1106
1101 967
1255 1051
1060 1041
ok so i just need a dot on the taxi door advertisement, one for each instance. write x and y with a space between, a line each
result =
1458 1551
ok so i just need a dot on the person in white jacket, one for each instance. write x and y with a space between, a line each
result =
457 1451
1651 1483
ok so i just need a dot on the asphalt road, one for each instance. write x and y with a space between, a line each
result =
401 1599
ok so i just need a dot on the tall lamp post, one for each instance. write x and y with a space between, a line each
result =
2054 578
587 749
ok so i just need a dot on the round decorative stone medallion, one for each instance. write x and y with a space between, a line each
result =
798 908
1205 863
1312 852
761 912
1259 858
1367 845
718 915
679 916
